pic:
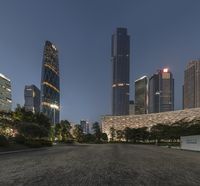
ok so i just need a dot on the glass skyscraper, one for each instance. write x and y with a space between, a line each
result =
121 65
191 88
5 94
161 92
50 83
32 98
141 95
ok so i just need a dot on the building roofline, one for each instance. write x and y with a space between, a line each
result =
3 76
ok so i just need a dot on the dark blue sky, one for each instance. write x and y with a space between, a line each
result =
164 33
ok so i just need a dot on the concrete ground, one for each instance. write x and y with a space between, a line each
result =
101 164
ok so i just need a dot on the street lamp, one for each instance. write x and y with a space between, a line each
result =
54 107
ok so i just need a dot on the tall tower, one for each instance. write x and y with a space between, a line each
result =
141 95
5 94
121 65
50 83
161 92
32 98
191 87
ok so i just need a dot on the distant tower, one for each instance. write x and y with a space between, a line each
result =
121 66
50 83
5 94
32 98
161 92
191 87
141 95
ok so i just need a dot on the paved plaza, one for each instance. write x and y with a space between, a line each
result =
101 164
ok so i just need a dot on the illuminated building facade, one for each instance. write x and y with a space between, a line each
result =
32 98
161 92
5 94
121 65
141 95
191 88
50 85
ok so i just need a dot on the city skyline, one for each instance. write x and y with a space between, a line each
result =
157 42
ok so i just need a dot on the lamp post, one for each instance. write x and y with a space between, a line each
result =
54 107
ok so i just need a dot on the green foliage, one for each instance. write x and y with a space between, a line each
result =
19 139
35 143
97 131
3 141
78 133
89 138
62 131
104 137
112 133
32 130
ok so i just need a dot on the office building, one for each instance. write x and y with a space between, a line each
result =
85 126
5 94
50 83
161 92
131 107
120 65
191 87
32 98
141 95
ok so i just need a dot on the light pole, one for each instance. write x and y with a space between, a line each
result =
54 107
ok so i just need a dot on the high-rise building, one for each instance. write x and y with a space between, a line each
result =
85 126
161 92
141 95
121 65
131 107
191 87
5 94
32 98
50 83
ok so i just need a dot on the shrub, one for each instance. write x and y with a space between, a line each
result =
3 141
37 143
19 139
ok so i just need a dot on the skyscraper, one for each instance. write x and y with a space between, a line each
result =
161 92
191 87
141 95
32 98
85 126
50 85
5 94
121 65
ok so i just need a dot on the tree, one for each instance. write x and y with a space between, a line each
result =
120 135
104 137
112 133
78 133
97 131
127 134
32 130
65 131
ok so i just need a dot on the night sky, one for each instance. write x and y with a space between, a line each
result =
164 33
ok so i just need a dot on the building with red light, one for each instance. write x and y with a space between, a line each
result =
161 92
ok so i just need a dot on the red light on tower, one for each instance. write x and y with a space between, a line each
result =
165 70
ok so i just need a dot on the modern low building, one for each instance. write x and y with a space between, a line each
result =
148 120
190 142
191 87
161 92
50 83
32 98
141 95
5 94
